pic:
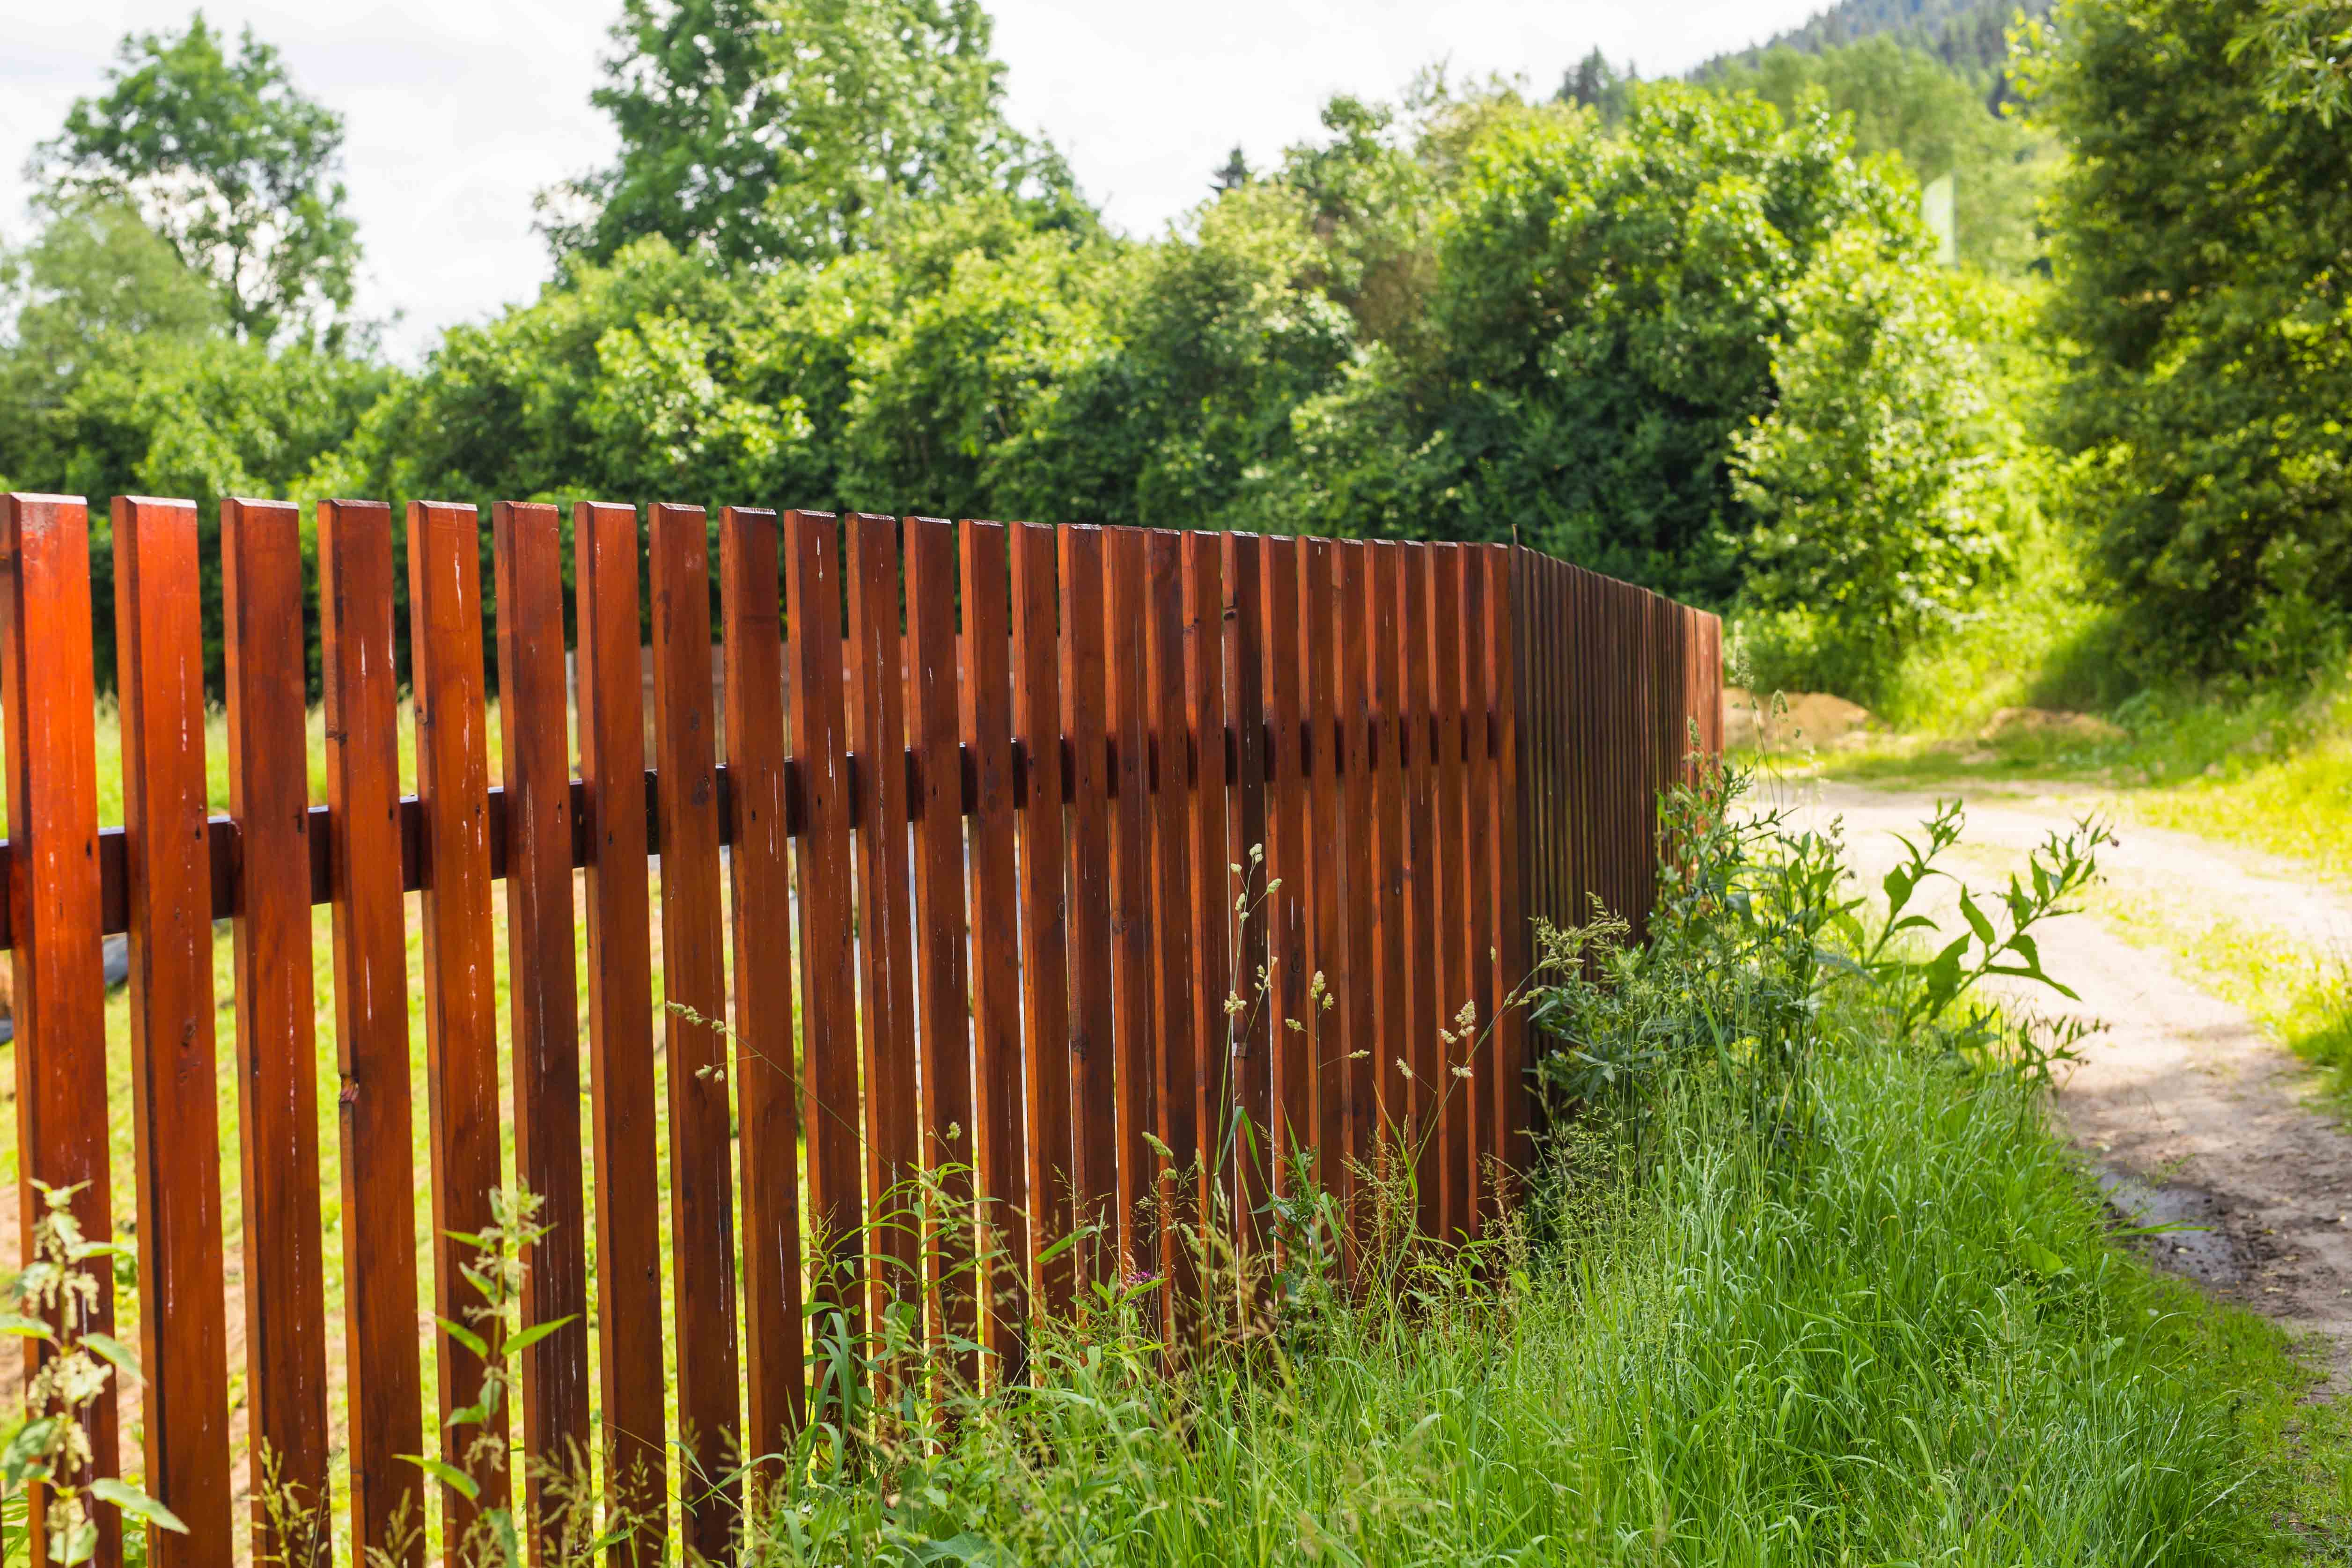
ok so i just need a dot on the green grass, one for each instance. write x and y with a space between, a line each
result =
1907 1337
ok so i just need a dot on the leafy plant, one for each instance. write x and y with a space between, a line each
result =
55 1299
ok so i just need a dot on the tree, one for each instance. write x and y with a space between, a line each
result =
2199 242
773 131
1903 100
225 160
1595 84
1234 174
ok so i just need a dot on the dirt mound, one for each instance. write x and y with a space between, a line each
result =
2020 721
1787 721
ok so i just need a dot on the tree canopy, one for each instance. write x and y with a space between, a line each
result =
224 159
771 130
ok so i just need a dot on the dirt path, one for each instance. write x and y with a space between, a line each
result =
2191 1114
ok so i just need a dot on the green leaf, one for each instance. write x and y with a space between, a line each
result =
466 1337
27 1328
114 1350
530 1336
133 1501
74 1546
1975 917
456 1479
2040 1259
22 1457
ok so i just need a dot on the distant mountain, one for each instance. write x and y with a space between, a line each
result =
1970 35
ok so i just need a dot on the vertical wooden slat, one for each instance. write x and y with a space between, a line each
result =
527 545
1129 611
1175 1075
1247 1111
1357 1037
996 950
694 992
445 657
1449 952
934 725
759 872
829 1116
1045 932
1392 1028
1288 863
183 1339
371 1043
878 734
1093 1085
630 1357
1214 886
1324 827
1480 869
286 1348
1290 1125
1509 1083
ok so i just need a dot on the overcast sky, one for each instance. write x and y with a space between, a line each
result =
458 111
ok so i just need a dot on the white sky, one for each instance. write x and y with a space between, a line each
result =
458 111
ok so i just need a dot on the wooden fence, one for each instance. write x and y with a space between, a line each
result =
962 888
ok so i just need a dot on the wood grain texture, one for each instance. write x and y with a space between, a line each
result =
997 1072
829 1111
1045 922
1127 611
46 696
878 734
361 687
526 547
1325 830
1356 1037
1176 1077
633 1442
277 1115
174 1106
1481 868
1424 941
1508 1083
1289 666
1085 689
760 869
694 998
934 725
1245 1114
461 1046
1214 888
1450 948
1391 860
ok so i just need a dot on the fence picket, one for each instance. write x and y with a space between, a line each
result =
173 1073
1449 954
635 1444
997 1080
1175 1083
1045 934
372 1038
1289 868
527 545
760 873
1089 926
829 1116
694 1001
278 1116
1127 629
878 734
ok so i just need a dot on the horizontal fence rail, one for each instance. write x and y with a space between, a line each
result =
944 873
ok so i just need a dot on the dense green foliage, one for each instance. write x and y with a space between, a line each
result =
1687 334
225 160
1905 101
1846 1299
2200 234
774 132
